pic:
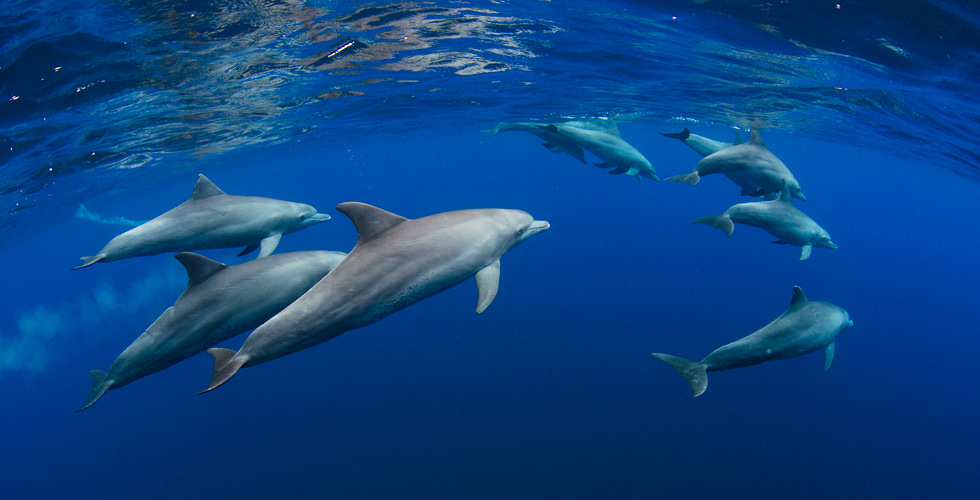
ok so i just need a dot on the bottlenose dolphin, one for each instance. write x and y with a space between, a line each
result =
701 144
600 136
804 328
219 303
554 141
395 263
749 165
212 219
777 217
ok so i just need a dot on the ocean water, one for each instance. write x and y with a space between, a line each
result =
109 111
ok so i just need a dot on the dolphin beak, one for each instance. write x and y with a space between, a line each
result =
537 227
831 244
318 218
800 195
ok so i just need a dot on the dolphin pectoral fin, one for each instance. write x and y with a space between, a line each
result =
226 365
682 135
806 252
89 260
553 147
268 245
692 178
487 281
247 250
605 164
696 374
780 242
830 356
98 389
722 222
619 170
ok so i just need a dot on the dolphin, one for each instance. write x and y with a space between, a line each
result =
777 217
749 165
804 328
212 219
554 141
395 263
600 136
219 303
701 144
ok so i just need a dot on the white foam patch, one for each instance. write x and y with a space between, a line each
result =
34 346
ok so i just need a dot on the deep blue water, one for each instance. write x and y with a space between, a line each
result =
550 393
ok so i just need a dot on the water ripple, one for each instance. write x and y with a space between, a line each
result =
95 91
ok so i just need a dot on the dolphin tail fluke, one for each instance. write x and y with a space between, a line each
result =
99 386
226 365
89 260
692 178
493 131
722 222
682 135
695 373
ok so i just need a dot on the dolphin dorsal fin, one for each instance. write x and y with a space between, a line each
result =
199 268
605 124
755 138
369 221
609 125
599 124
799 300
784 194
205 188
